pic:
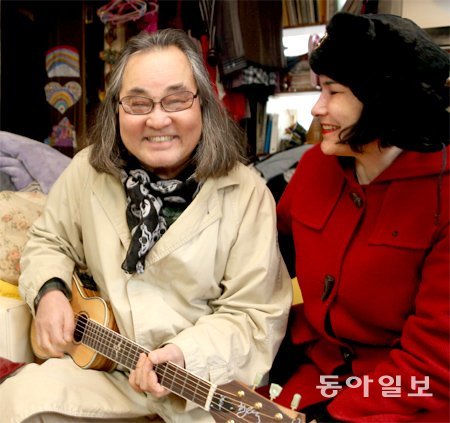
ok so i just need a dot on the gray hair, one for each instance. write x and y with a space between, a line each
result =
222 141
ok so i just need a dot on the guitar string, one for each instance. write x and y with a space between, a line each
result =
172 372
89 333
171 369
130 364
237 403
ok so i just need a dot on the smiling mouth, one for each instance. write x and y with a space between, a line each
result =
159 138
326 129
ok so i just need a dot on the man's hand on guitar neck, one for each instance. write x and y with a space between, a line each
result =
54 323
144 379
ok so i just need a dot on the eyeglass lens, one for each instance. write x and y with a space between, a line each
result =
138 105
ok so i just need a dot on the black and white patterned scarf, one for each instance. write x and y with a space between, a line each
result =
153 204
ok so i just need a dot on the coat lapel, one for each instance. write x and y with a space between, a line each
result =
203 211
111 197
314 202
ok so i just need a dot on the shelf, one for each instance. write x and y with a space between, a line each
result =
296 39
302 102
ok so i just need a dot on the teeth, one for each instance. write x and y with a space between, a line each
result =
159 139
330 127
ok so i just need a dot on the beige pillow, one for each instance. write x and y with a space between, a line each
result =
18 210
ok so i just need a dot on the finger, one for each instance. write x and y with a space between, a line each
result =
132 381
158 390
68 328
155 358
44 340
141 360
56 345
139 371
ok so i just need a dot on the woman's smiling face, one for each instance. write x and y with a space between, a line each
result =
337 109
163 142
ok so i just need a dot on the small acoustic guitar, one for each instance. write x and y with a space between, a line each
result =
98 345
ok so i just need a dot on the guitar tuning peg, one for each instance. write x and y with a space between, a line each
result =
295 401
274 391
257 381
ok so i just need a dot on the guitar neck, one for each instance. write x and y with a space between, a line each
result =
125 352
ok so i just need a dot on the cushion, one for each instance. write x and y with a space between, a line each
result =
15 321
9 290
7 368
18 210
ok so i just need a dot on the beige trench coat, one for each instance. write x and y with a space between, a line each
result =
214 284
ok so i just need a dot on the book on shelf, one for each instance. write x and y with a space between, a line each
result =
274 143
291 12
311 7
268 134
299 77
331 9
309 12
321 6
261 123
301 18
353 6
285 16
272 136
302 6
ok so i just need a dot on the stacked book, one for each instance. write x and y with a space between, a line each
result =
307 12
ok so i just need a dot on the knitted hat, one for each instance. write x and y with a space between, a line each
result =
395 70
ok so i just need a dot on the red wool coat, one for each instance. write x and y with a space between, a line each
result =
373 266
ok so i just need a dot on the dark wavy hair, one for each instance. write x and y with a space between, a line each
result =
397 72
222 141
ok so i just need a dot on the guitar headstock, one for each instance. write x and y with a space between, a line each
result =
235 402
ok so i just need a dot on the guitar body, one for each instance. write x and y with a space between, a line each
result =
84 302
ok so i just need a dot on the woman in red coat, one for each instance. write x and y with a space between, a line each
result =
368 211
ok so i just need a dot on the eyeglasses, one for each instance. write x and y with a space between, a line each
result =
138 105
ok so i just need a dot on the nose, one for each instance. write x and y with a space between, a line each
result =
158 118
320 107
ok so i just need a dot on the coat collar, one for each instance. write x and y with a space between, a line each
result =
319 198
411 164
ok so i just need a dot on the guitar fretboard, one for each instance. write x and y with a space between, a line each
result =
125 352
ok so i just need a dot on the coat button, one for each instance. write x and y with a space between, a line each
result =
328 284
357 200
347 354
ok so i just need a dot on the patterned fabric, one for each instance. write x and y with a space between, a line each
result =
18 211
153 204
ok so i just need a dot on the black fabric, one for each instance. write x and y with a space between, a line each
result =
319 413
365 49
52 284
289 356
153 204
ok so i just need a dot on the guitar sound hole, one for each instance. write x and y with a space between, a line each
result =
81 321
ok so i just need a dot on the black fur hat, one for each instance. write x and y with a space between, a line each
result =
396 71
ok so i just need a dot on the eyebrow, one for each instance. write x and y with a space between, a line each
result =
169 89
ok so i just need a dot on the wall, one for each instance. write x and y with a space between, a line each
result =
28 29
427 13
